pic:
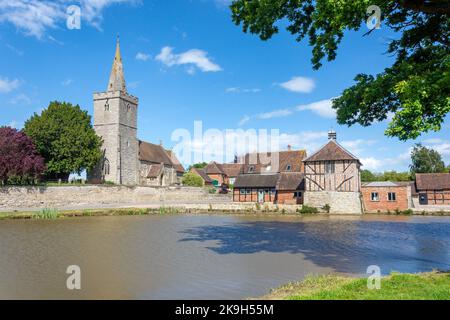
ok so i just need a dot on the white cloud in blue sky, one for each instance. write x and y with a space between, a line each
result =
191 58
299 85
7 85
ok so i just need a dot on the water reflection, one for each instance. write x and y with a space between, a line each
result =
223 257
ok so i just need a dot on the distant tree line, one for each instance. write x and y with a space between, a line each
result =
423 160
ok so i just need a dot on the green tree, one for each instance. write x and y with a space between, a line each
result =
415 89
192 180
425 160
396 176
199 165
368 176
63 135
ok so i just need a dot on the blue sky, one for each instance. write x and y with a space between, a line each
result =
187 61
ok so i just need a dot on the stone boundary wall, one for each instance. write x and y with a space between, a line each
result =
340 202
96 196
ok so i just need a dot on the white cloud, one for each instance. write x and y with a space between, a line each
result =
371 163
7 85
275 114
142 56
67 82
191 58
21 99
244 120
357 146
299 84
35 17
322 108
242 90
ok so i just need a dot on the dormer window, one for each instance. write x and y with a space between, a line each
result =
251 169
288 167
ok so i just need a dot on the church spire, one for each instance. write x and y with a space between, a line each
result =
117 79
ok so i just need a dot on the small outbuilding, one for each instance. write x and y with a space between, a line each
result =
433 188
383 196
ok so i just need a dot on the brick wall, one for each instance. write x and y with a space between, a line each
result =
383 204
281 197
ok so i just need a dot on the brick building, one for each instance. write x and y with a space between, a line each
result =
433 188
383 196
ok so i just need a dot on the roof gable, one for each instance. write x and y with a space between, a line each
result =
286 160
332 151
155 153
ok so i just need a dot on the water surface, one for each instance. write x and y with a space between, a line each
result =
208 257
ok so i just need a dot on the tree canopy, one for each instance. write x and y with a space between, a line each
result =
426 160
19 159
63 135
369 176
192 180
415 90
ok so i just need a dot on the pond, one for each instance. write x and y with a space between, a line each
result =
208 256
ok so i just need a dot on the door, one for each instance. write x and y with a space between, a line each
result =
423 199
261 196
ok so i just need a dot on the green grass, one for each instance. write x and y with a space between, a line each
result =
425 286
46 214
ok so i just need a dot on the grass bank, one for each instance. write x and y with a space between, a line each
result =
422 286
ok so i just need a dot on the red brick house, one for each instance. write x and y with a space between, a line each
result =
383 196
433 188
271 177
215 171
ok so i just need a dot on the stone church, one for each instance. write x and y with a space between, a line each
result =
127 160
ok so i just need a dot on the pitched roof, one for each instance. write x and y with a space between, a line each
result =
289 181
432 181
381 184
202 174
331 151
232 169
154 170
214 168
176 163
256 181
274 162
155 153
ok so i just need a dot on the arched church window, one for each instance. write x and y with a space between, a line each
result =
105 167
106 106
128 107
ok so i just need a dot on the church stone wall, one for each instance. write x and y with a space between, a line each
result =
339 202
12 198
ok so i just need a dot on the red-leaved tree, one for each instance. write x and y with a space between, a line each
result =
19 160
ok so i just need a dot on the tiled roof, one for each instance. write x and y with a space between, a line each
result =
381 184
331 151
256 181
232 169
154 170
432 181
214 168
274 162
291 181
155 153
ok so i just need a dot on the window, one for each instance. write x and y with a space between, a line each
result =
128 107
374 196
249 191
242 191
288 167
266 191
106 106
251 169
329 167
297 194
392 196
106 167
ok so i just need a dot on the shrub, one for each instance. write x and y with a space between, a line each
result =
326 208
308 210
212 190
192 180
408 212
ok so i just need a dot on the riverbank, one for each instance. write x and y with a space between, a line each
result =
54 213
422 286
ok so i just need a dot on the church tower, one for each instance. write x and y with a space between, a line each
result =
115 121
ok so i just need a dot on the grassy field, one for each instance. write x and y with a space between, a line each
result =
424 286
